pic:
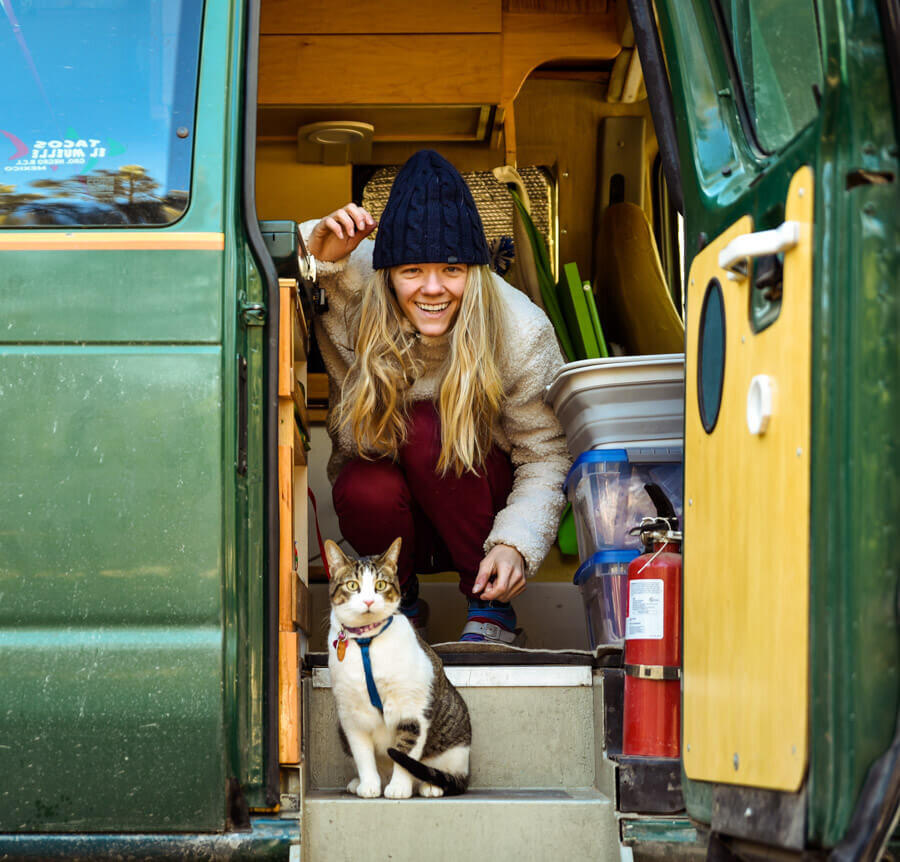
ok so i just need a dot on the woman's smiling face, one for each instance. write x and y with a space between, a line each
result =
430 294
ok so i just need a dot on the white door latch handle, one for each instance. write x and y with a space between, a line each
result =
735 257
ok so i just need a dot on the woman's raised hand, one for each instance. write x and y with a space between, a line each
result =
339 233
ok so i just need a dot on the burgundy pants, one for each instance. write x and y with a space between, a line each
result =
443 520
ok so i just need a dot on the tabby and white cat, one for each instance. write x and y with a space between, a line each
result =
421 733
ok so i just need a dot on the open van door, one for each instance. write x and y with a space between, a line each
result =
788 156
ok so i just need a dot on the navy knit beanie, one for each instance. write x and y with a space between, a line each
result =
430 217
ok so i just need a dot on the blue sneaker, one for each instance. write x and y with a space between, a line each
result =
492 622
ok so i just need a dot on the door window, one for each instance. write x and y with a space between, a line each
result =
97 127
778 63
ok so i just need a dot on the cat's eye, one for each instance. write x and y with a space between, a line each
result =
380 585
352 586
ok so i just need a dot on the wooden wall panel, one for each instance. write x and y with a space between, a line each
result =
387 16
286 537
532 39
387 70
580 7
288 697
558 122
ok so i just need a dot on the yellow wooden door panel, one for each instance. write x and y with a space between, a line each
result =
746 527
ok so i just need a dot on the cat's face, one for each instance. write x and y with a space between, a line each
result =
363 591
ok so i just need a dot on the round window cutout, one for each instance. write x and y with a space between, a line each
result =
711 358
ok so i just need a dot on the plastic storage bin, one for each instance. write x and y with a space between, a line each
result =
606 488
620 401
603 581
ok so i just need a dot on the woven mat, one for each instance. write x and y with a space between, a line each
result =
494 203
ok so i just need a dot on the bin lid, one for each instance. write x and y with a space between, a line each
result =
641 455
595 456
614 555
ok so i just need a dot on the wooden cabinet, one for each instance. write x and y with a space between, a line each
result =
293 576
397 53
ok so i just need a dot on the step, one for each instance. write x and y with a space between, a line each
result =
531 727
496 825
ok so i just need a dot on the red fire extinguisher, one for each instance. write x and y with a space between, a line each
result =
652 721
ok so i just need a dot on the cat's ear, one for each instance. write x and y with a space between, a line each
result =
390 557
336 558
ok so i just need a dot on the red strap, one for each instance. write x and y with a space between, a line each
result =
318 531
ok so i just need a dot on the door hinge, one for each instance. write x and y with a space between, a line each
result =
252 313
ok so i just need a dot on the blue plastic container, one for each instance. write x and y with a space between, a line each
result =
603 581
606 488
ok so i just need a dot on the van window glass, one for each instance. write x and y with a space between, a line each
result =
712 145
776 52
98 120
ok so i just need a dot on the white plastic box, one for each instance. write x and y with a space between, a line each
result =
629 401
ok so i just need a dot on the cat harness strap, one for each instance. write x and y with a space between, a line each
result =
374 697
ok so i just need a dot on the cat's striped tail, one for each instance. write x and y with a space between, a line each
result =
452 785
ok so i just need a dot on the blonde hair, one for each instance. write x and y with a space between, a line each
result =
374 399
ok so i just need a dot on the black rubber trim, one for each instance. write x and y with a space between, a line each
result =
656 77
737 85
270 416
873 820
889 10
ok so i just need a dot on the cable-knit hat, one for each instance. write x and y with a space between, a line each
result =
430 217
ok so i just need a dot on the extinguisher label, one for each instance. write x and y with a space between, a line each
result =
645 610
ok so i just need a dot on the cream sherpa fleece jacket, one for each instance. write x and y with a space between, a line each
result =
527 429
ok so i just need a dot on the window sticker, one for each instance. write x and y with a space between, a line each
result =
51 154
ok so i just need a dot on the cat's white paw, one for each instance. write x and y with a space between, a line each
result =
430 790
365 789
351 787
399 788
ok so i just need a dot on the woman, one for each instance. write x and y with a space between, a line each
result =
437 370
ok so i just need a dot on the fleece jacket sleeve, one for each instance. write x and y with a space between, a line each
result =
540 459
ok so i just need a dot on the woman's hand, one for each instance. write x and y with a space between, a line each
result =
501 575
339 233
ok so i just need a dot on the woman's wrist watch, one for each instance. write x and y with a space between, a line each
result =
306 260
307 265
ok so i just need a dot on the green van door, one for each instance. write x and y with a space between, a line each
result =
119 266
789 162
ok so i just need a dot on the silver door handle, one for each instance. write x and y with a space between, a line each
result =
735 257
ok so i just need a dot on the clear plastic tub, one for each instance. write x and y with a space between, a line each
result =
607 489
603 581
